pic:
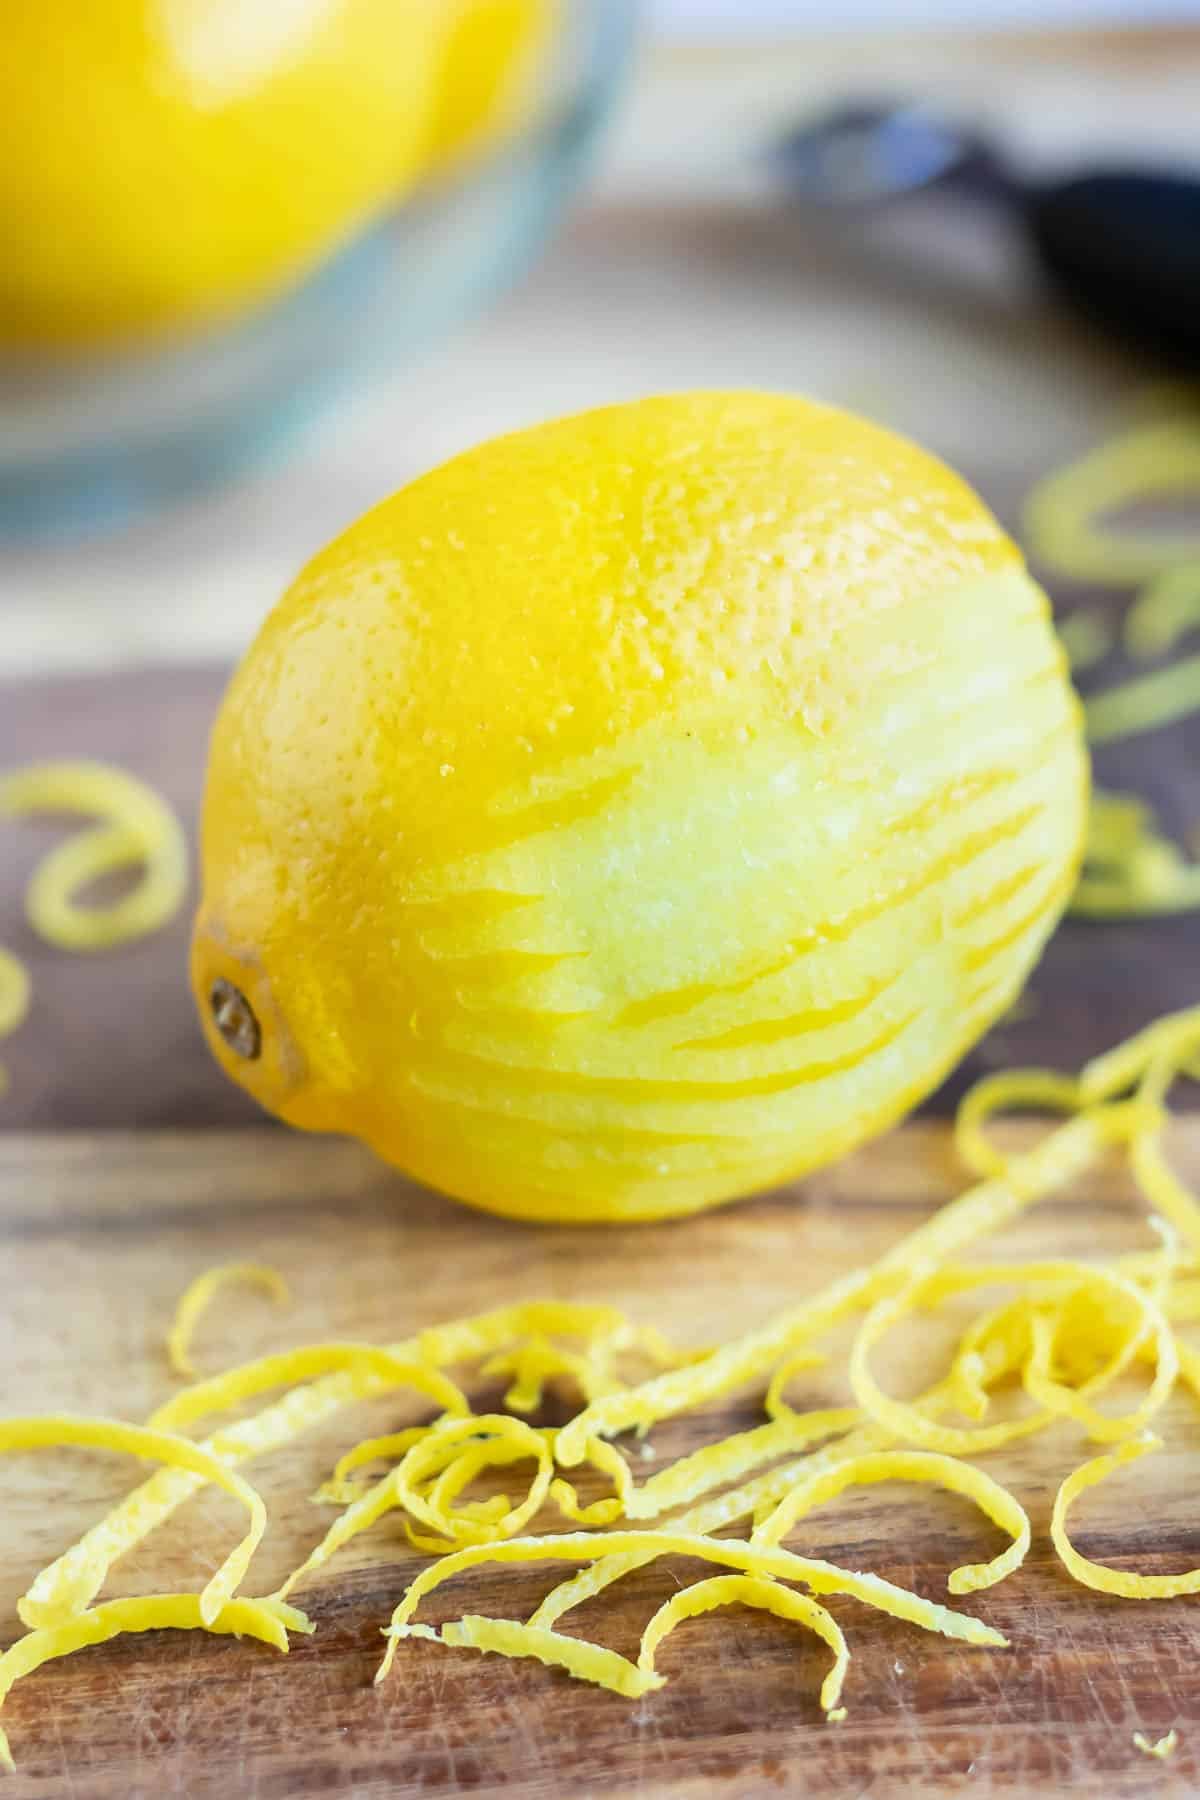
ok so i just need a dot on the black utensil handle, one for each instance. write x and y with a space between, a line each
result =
1124 247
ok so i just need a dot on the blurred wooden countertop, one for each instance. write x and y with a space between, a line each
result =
682 268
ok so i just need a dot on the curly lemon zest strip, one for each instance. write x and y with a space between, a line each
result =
138 828
1061 514
586 1662
263 1619
822 1577
713 1465
339 1490
1166 610
507 1433
754 1499
1060 1157
910 1425
764 1596
1123 1582
1006 1091
77 1581
203 1291
364 1363
1087 637
994 1501
439 1453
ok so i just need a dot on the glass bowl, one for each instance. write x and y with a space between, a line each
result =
92 443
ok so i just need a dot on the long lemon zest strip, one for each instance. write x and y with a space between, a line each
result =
1123 1582
77 1579
691 1476
822 1577
587 1662
302 1409
765 1596
365 1363
994 1501
262 1619
200 1294
139 827
1054 1162
1145 703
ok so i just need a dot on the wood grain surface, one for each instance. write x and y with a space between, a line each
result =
99 1232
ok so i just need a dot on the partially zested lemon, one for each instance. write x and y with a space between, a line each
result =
638 810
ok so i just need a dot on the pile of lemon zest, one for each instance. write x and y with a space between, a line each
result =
757 1559
74 1588
765 1596
1166 610
586 1662
1087 637
1061 513
910 1425
202 1291
301 1409
1161 1748
1123 1582
994 1501
1061 1156
263 1619
138 828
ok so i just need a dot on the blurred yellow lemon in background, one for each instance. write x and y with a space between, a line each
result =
489 66
164 163
639 809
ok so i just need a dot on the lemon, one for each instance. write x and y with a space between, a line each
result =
163 162
488 70
638 810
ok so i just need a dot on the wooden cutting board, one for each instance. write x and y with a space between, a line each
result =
127 1164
